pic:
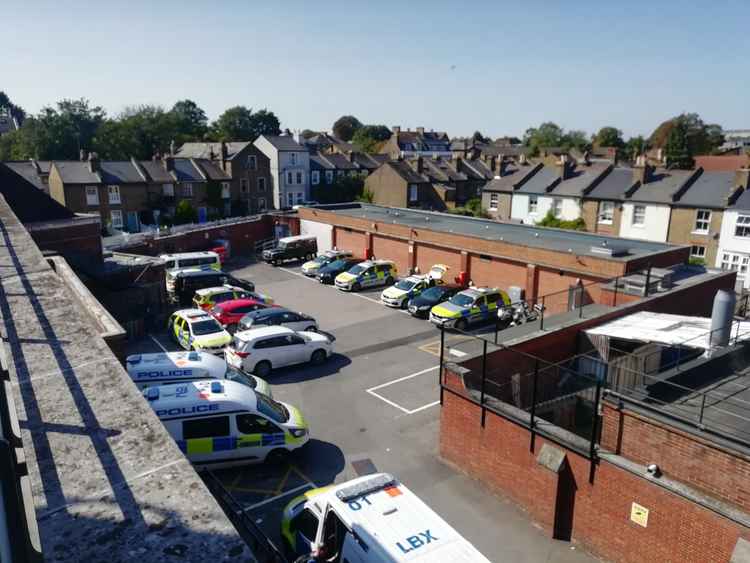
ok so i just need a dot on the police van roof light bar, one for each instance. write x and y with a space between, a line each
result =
376 483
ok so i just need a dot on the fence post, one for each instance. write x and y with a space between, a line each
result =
703 406
737 336
580 302
541 319
440 368
484 377
648 281
533 405
595 427
617 283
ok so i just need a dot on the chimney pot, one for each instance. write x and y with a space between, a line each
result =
396 129
83 155
642 171
420 130
93 162
171 147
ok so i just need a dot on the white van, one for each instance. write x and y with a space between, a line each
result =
150 370
371 519
225 423
203 260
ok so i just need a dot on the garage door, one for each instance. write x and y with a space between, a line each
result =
322 231
428 255
351 240
384 248
486 271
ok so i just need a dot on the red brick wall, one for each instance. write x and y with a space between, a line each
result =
496 273
385 248
498 455
350 240
73 241
427 255
682 456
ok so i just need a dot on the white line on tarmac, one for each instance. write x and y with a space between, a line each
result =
457 353
372 391
423 407
282 495
399 407
402 378
163 349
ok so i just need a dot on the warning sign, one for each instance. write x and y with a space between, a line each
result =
639 514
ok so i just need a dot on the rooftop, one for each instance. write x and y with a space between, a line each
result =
283 142
578 242
211 151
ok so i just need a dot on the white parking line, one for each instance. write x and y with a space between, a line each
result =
163 349
372 391
282 495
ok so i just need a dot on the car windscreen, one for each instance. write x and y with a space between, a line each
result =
337 264
209 326
322 259
236 375
462 300
358 269
435 293
270 408
406 285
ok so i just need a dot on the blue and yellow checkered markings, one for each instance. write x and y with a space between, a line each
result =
197 446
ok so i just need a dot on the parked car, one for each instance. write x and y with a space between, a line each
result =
292 248
370 273
194 329
470 306
399 294
229 313
261 350
327 274
420 305
277 316
182 284
312 267
207 298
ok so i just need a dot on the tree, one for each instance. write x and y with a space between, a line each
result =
138 132
548 134
190 121
634 147
15 110
343 190
575 139
549 220
477 137
263 122
234 124
345 127
308 133
677 149
185 213
369 138
701 138
609 137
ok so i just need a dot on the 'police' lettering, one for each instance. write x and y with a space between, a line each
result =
163 373
415 542
187 410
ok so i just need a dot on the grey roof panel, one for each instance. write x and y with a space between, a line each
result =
709 190
76 172
662 186
406 172
581 178
539 182
614 185
742 203
205 150
119 172
156 172
27 170
284 142
185 171
513 174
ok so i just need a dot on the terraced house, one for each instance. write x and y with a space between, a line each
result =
417 143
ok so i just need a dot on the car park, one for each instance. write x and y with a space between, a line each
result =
371 519
208 297
260 350
468 307
292 248
167 368
312 267
420 305
278 316
204 260
327 274
229 313
182 284
399 294
194 329
370 273
224 423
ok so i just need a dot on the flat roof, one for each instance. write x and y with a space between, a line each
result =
108 481
577 242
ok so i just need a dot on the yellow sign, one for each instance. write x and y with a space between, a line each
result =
639 514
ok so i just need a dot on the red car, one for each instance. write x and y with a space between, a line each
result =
230 312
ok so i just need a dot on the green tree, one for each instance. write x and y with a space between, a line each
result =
575 139
263 122
213 196
702 138
138 132
190 121
635 146
677 149
234 124
308 133
477 137
343 190
548 134
549 220
185 213
345 127
16 111
609 137
370 137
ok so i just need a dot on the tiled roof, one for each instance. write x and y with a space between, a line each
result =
581 178
211 170
710 189
155 171
29 172
119 172
725 163
405 171
513 175
27 202
540 181
76 172
205 150
284 142
742 203
662 187
341 162
614 185
477 169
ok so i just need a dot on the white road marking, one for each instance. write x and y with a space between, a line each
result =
399 407
158 343
400 379
457 353
372 391
282 495
423 407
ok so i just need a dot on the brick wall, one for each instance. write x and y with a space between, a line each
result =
427 255
386 248
355 242
485 270
76 240
682 225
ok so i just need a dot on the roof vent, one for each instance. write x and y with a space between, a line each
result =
613 250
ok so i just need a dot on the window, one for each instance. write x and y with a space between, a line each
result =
315 177
261 184
556 207
735 262
92 195
289 178
261 204
255 424
290 199
494 197
742 227
340 173
187 190
697 251
167 190
114 194
225 190
252 162
293 158
329 176
606 212
306 523
300 197
243 185
533 203
205 427
299 178
116 215
413 192
702 221
639 214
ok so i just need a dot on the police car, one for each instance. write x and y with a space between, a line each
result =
370 273
371 519
468 307
225 423
407 288
194 329
150 370
209 297
312 267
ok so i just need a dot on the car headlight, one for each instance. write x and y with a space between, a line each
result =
424 308
298 432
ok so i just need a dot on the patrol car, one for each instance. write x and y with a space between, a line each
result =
370 273
312 267
225 423
166 368
371 519
407 288
194 329
207 298
468 307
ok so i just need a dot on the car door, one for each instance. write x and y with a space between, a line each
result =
276 350
304 529
293 321
183 333
256 436
207 439
297 350
478 309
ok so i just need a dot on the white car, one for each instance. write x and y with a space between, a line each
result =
260 350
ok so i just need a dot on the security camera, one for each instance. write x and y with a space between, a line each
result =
653 470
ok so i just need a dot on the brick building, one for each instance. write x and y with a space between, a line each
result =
417 143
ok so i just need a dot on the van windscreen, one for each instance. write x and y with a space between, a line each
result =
270 408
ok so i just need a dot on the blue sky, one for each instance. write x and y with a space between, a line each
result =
499 67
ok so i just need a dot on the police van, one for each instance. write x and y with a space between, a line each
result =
206 260
150 370
225 423
371 519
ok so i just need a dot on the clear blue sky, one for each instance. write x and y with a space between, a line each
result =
499 67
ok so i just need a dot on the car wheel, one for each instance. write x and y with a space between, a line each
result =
356 287
262 369
389 280
461 325
278 456
404 304
318 357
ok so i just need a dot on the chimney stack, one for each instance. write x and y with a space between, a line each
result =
396 129
351 156
522 158
566 166
420 130
169 163
83 155
420 165
502 165
492 162
642 170
171 147
93 162
742 178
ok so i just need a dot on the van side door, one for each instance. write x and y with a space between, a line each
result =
207 439
256 436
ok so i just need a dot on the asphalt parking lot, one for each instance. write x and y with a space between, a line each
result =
374 406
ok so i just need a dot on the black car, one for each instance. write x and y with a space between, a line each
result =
303 247
328 273
420 305
277 316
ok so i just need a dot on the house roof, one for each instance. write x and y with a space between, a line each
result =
211 170
27 202
540 181
439 170
477 169
513 175
723 163
581 178
284 142
403 169
427 141
317 162
206 150
155 171
119 172
30 173
662 187
614 185
710 189
76 172
370 161
341 162
742 203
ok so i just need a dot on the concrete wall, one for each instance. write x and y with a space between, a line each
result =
655 226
